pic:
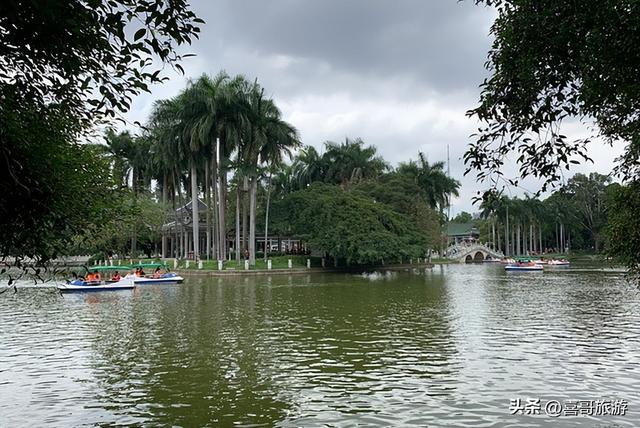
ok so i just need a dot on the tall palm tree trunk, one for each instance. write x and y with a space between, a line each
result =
540 237
222 239
134 232
506 235
223 210
245 217
493 233
532 241
238 245
266 220
194 209
164 205
214 207
252 220
208 202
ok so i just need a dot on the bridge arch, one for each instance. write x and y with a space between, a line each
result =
474 253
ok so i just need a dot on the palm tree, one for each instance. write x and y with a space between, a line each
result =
130 156
281 138
489 209
350 162
437 186
308 167
266 138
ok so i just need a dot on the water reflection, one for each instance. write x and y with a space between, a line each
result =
445 347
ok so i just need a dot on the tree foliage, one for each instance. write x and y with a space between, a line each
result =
112 235
400 193
552 61
64 65
49 188
462 217
623 224
348 226
89 57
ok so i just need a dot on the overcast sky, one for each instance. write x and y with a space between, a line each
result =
399 74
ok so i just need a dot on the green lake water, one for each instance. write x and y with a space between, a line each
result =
449 346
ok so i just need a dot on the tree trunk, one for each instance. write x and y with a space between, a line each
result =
134 232
238 245
222 226
208 202
506 235
532 237
540 237
266 220
164 206
245 222
194 209
493 233
214 205
252 220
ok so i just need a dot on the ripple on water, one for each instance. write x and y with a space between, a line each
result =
447 347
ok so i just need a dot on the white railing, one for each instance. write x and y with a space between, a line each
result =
461 250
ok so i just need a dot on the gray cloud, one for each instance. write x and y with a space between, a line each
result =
399 74
439 44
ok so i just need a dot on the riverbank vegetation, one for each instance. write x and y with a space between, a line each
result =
65 68
223 142
574 217
550 64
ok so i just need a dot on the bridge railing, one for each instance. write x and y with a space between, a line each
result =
458 250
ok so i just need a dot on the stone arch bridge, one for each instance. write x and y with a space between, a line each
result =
472 253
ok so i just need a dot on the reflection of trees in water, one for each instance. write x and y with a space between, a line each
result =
191 359
258 350
347 344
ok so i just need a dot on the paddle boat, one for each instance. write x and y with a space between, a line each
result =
523 266
558 263
529 259
156 277
111 281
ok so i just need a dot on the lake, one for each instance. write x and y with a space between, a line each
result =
456 345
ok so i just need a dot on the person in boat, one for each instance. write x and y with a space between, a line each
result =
157 274
142 274
131 274
97 276
116 277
